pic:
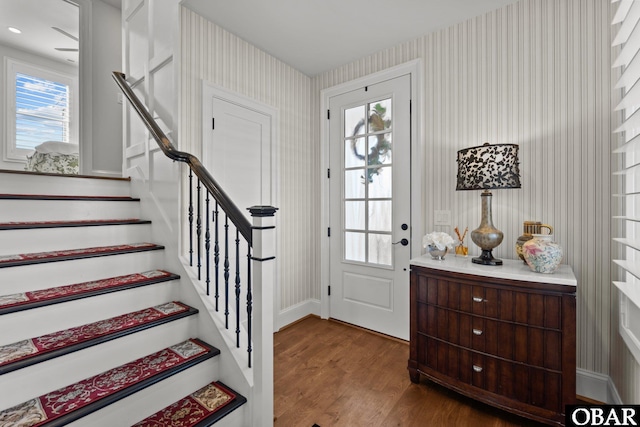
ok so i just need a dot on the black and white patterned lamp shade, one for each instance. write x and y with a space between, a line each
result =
488 166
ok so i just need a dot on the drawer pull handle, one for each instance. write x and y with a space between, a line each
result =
477 368
478 299
477 331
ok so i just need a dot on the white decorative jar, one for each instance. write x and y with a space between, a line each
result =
542 254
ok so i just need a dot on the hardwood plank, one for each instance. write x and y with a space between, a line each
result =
335 375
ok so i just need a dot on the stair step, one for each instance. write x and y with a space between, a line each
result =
202 408
39 298
27 225
6 196
75 401
35 350
65 255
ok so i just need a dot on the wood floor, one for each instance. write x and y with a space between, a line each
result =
331 374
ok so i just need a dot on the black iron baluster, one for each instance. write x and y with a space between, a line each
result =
226 271
199 228
237 288
191 217
249 304
216 256
207 243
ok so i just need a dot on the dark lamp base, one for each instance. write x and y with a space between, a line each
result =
486 258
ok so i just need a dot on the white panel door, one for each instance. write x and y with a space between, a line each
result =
237 153
370 172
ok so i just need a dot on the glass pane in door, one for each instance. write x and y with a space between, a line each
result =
367 174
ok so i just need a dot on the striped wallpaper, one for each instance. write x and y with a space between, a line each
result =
536 73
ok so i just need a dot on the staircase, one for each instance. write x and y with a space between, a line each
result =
92 329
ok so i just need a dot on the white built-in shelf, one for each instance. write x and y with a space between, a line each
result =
631 268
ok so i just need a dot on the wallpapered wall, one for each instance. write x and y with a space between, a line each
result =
536 73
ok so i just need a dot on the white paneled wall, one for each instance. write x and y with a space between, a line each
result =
535 73
212 54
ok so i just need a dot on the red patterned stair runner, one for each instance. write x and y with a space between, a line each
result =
193 409
120 325
23 300
39 257
79 399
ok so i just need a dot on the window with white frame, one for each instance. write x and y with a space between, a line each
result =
627 42
41 105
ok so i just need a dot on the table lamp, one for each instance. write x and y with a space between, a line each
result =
488 167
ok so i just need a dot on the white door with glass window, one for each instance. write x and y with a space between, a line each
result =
370 175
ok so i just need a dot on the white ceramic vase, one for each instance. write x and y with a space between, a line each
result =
542 254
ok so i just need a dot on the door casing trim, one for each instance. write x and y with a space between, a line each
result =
417 228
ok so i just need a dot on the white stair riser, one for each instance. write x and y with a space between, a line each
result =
36 380
67 210
56 317
48 275
59 185
55 239
138 406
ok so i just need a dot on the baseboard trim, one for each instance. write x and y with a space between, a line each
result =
597 387
297 312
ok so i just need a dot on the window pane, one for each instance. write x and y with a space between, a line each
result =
354 121
380 215
380 115
42 111
380 249
354 184
354 215
354 246
354 153
380 149
379 182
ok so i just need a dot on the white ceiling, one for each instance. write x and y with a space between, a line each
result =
310 35
35 18
318 35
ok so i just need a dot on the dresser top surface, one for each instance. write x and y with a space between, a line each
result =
511 269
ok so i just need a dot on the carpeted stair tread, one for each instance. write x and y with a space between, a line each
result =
199 409
30 351
68 197
42 297
67 404
71 254
25 225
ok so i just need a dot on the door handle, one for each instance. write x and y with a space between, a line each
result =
403 242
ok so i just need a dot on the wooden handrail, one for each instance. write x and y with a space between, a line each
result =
224 201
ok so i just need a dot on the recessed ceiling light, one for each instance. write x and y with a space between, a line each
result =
14 30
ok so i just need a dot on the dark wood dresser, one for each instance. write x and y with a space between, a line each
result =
502 335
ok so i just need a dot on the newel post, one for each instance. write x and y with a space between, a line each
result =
263 267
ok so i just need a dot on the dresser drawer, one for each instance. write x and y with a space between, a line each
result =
517 342
520 382
497 302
